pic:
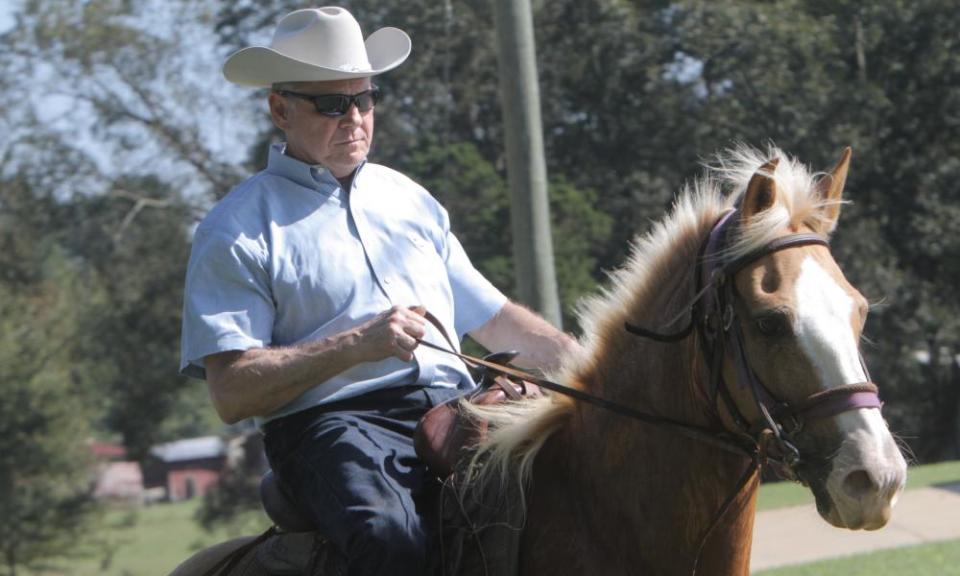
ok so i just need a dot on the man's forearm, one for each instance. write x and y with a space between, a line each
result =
540 344
259 381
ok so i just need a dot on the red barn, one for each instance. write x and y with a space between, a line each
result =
186 468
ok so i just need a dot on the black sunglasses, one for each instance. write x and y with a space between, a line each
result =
334 105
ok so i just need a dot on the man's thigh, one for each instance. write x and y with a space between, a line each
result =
355 471
352 465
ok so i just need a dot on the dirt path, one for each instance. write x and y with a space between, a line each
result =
798 535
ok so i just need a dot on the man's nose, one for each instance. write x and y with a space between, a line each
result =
352 115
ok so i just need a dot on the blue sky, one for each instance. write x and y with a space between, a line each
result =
6 14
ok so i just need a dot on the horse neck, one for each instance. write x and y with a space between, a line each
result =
652 485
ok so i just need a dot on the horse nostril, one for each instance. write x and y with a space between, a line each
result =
858 484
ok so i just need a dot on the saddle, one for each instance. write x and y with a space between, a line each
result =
446 433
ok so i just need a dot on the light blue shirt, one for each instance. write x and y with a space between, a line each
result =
289 257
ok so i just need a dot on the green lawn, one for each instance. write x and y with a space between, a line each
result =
147 541
783 494
938 559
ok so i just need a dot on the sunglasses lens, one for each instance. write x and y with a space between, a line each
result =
332 104
339 104
365 101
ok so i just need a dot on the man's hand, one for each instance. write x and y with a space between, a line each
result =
393 332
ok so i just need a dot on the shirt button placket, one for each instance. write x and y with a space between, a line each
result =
371 247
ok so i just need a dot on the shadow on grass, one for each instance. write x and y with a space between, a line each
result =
949 486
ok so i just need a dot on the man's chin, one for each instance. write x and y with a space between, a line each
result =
344 167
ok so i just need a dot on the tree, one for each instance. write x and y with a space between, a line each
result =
135 239
477 199
44 485
112 128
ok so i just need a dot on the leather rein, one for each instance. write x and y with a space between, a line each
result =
770 440
723 441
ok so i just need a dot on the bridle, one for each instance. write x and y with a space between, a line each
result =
713 316
769 440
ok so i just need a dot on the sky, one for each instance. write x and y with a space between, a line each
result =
7 8
223 113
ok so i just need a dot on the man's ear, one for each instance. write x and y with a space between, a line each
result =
279 110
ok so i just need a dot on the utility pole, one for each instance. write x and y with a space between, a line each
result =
526 169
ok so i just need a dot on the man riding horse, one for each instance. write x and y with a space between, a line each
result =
306 290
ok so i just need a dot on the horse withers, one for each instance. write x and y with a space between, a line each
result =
747 354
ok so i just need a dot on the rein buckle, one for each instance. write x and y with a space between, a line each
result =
780 453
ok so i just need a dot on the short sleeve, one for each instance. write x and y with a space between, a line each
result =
475 299
227 301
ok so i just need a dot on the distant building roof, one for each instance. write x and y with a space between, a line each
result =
190 449
107 450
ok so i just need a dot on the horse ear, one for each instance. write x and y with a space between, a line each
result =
830 189
761 191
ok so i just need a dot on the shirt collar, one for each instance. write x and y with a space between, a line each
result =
311 176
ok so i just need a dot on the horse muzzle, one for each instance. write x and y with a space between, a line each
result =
867 475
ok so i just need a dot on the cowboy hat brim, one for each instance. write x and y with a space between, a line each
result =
261 66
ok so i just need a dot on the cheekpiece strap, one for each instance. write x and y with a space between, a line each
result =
711 265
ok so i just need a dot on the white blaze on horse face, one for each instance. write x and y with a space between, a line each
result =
823 326
869 471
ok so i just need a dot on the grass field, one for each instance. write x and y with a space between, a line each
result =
144 541
938 559
783 494
152 540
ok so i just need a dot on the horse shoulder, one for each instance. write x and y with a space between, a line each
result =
552 542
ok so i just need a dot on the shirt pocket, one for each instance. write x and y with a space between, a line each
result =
423 255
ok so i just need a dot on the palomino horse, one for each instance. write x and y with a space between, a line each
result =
729 340
773 316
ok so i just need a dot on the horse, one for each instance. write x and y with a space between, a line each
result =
649 462
615 495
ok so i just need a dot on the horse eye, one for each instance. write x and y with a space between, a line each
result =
773 324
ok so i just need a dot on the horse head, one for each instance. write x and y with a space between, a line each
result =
800 321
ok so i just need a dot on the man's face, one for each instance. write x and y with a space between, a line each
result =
338 143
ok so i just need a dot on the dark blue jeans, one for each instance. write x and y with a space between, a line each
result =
352 467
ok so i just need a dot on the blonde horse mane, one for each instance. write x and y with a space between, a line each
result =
518 430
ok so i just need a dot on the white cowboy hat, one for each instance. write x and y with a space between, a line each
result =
318 44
